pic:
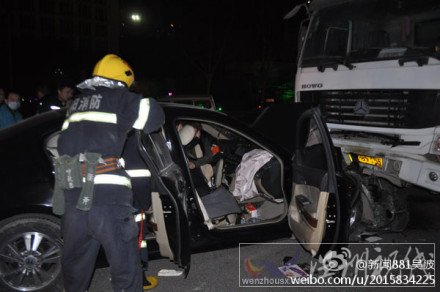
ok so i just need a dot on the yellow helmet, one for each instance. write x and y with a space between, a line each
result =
113 67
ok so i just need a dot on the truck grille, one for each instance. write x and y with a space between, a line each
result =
391 109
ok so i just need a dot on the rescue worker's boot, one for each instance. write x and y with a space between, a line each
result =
149 282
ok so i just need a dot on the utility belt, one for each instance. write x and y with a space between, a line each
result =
79 171
110 164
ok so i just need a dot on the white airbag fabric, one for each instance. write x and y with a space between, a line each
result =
250 163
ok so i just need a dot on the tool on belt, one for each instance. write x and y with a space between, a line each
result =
79 171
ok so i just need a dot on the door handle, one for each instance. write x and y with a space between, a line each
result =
301 202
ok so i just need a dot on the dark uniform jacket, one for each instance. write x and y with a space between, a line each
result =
98 121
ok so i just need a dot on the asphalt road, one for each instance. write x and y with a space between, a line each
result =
220 270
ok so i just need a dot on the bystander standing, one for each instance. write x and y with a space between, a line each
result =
9 114
2 96
63 98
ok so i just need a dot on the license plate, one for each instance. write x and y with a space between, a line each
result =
376 161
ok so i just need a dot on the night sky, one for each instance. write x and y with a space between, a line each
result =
239 51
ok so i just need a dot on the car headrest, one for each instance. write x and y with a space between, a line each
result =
186 134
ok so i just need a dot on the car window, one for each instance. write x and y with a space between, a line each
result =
158 149
189 102
313 151
203 103
314 137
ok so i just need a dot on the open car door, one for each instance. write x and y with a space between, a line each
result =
168 200
315 215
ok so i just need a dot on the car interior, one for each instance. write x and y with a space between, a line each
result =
221 204
242 181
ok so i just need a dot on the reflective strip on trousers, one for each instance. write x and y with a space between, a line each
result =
112 179
139 217
144 111
99 117
138 172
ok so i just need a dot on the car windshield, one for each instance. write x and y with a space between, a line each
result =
372 30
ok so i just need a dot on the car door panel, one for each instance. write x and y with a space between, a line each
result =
161 229
309 176
307 221
314 184
168 200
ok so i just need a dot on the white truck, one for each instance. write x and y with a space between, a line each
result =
373 67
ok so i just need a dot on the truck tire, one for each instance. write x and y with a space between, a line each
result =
30 253
391 207
395 208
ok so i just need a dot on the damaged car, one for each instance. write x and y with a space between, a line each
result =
263 182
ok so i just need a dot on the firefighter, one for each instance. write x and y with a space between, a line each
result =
92 190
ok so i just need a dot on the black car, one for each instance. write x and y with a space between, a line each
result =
302 186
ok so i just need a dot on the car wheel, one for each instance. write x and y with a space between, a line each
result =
30 253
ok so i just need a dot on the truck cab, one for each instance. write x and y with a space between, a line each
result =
372 67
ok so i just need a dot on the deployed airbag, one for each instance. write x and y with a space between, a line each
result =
250 163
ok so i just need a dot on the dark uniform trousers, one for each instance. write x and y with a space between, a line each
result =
114 227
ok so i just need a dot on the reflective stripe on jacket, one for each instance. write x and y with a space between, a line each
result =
133 173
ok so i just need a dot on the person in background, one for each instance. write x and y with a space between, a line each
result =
42 93
2 96
35 102
63 98
437 46
9 114
31 104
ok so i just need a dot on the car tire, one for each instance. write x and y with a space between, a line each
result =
30 253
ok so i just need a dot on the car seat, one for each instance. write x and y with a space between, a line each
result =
212 175
186 135
220 203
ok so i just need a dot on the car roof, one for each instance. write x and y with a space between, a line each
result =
186 97
187 107
191 98
53 119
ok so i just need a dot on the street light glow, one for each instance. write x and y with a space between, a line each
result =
136 17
